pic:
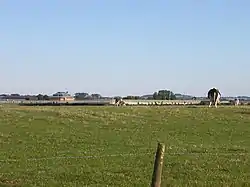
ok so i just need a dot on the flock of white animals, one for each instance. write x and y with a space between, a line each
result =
213 95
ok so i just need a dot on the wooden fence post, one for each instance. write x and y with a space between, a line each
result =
156 178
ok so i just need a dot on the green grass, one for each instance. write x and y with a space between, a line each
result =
50 146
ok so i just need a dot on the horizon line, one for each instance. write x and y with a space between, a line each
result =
141 95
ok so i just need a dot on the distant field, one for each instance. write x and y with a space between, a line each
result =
115 146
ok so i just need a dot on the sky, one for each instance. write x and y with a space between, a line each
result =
125 47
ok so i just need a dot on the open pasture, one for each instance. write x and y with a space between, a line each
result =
115 146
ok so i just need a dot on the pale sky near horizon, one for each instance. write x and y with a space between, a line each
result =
125 47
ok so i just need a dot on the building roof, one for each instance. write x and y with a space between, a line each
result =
61 94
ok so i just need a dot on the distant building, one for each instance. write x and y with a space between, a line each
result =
16 97
61 96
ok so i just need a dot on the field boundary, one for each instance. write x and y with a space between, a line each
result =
125 155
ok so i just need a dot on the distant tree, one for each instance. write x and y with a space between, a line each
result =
118 97
137 97
39 97
132 97
81 96
96 96
164 95
30 97
155 96
15 95
45 97
172 95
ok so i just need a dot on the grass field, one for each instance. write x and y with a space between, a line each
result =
115 146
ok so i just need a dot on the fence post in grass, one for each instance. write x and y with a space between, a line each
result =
156 178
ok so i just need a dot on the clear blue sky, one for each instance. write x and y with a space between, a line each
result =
125 47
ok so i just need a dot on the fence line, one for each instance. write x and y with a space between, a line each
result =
76 157
123 155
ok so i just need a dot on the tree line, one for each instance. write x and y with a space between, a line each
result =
159 95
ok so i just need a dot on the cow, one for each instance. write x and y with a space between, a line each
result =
119 102
236 102
214 96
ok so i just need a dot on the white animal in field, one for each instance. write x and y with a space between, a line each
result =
236 102
214 96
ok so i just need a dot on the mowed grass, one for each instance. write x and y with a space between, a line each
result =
115 146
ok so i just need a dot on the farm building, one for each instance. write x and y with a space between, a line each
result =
61 96
17 97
